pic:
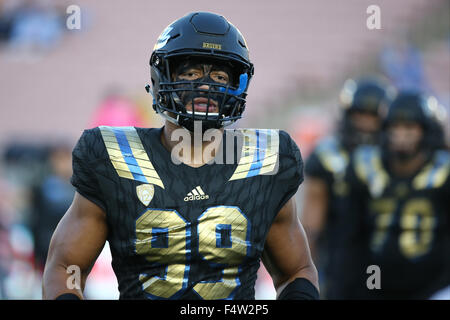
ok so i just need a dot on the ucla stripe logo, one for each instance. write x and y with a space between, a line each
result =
435 173
333 157
259 153
128 156
369 169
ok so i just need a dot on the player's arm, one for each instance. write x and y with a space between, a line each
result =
287 257
77 240
315 208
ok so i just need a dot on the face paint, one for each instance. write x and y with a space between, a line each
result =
202 83
203 90
405 139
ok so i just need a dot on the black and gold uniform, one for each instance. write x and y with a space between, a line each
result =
340 242
178 232
408 223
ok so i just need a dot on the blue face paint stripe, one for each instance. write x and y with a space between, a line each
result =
128 157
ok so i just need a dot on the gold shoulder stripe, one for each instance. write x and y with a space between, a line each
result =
259 154
333 157
128 156
369 169
435 173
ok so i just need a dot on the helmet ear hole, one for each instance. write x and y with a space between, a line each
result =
155 60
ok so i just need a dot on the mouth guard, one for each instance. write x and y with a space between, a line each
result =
243 79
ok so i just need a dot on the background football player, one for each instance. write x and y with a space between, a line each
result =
189 230
401 192
325 186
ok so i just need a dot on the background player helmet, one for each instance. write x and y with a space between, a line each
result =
212 38
425 110
368 95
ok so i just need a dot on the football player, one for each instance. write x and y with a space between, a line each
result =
189 230
330 240
403 187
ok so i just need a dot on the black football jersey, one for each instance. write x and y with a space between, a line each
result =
340 245
408 223
179 232
328 162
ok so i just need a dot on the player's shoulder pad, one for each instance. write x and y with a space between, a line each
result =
369 169
265 152
260 152
331 155
291 162
128 156
288 147
328 143
90 146
366 152
435 172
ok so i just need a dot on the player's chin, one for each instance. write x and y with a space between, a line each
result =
402 154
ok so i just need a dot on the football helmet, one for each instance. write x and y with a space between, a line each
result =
211 39
413 106
367 95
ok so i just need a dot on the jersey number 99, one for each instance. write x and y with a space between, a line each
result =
164 237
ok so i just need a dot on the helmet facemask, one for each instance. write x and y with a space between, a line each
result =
405 146
407 110
215 95
354 134
367 96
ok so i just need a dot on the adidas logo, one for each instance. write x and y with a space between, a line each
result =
196 194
